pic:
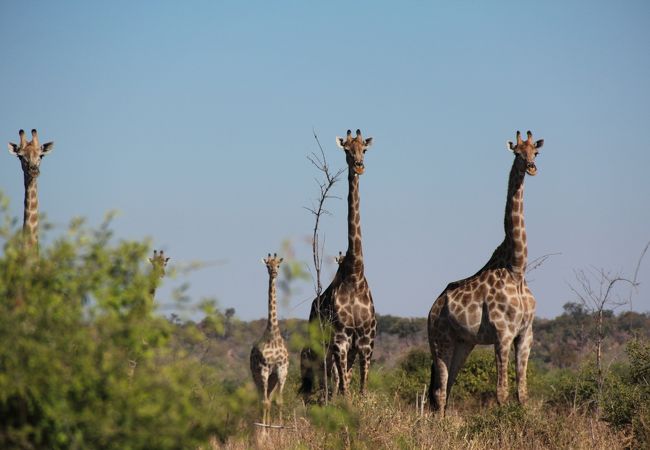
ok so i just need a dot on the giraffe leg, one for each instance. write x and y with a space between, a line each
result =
523 343
283 370
460 354
439 377
502 354
266 403
352 356
340 360
334 373
365 350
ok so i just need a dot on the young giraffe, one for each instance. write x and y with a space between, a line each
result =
494 306
339 259
159 263
346 305
30 155
269 356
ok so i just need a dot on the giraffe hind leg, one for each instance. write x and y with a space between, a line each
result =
461 352
523 343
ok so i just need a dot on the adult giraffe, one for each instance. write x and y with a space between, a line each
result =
495 305
346 306
30 154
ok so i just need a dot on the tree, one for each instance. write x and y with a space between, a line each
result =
601 292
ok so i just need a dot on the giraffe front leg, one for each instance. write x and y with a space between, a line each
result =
502 354
365 351
266 402
283 370
341 361
523 343
352 356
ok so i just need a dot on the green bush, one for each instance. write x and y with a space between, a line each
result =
84 360
626 400
409 378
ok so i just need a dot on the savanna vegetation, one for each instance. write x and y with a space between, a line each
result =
88 360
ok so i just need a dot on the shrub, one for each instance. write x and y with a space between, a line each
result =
84 360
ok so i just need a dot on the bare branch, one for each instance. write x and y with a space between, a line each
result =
635 283
325 184
598 291
539 261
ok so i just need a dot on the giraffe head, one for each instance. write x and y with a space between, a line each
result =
30 153
525 152
159 262
354 148
273 264
339 259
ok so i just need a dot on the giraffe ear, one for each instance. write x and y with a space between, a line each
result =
47 148
539 143
13 149
339 142
368 142
510 146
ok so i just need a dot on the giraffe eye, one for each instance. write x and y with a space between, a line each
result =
536 153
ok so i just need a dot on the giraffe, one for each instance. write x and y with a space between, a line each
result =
30 155
159 263
495 305
339 259
346 306
269 356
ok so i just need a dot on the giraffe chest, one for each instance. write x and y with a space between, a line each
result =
353 304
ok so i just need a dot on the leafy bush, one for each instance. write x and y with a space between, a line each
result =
626 401
84 360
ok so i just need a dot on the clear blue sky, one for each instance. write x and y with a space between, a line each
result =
194 120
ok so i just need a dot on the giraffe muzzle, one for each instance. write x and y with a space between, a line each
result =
34 171
359 168
531 168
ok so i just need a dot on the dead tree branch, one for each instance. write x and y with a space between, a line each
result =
325 184
597 290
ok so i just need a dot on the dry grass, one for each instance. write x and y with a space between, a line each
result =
376 422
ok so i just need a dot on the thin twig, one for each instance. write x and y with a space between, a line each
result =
279 427
539 261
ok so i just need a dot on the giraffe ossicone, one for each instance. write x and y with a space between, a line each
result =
492 307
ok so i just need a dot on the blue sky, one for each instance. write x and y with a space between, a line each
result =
194 120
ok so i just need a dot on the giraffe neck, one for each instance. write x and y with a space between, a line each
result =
515 229
354 255
30 218
272 323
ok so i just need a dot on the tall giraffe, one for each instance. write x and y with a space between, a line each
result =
30 155
346 306
269 356
493 306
